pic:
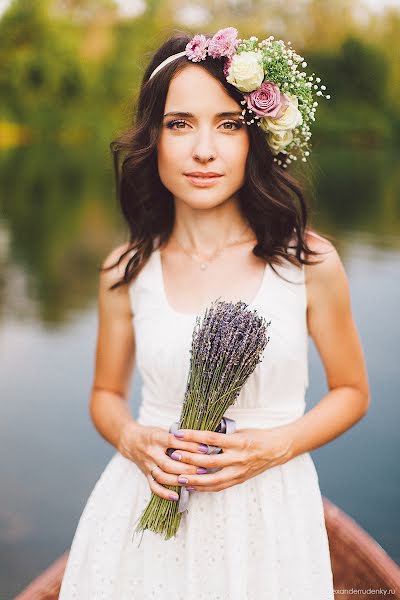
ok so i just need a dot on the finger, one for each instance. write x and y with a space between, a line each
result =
209 461
212 438
165 478
167 440
209 479
161 491
177 444
174 467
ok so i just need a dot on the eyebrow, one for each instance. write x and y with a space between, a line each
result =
188 115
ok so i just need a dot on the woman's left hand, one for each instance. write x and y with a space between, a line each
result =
245 453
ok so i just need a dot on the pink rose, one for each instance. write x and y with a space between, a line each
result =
196 49
223 43
267 100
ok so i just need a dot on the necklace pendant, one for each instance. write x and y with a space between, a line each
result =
203 266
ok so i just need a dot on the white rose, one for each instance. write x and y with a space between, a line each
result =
278 140
291 118
246 71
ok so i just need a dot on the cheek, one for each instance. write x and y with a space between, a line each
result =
170 157
163 156
165 164
236 157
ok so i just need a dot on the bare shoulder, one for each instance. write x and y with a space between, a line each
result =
318 243
327 271
328 260
112 272
114 255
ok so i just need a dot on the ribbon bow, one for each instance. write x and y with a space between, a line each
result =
226 426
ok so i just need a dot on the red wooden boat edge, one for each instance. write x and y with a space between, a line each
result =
47 585
367 565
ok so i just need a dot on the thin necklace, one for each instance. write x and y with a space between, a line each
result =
204 263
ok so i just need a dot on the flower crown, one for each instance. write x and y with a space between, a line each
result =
277 97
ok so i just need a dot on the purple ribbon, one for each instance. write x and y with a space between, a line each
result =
226 426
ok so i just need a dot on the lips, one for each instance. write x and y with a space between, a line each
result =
203 179
203 174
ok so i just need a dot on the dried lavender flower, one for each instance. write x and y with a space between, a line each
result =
227 345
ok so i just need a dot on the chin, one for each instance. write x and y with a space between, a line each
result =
203 199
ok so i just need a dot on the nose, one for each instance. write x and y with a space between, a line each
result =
204 148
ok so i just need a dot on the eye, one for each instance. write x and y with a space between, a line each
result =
237 125
171 124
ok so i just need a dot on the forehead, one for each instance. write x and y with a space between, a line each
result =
194 90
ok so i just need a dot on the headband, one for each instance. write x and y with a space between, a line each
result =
166 62
277 96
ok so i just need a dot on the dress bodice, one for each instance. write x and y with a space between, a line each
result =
274 392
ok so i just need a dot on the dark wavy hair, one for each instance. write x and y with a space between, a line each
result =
271 200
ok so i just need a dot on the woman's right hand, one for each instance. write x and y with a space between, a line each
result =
146 447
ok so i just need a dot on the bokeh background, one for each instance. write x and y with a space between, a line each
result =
69 72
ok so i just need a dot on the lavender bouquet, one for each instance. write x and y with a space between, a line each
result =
226 347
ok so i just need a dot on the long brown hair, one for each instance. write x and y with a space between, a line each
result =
271 200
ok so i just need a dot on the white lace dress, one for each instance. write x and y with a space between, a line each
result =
261 539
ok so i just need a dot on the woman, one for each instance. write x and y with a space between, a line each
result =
213 212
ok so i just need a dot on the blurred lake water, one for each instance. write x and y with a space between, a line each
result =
58 220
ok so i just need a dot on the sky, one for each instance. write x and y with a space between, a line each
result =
133 7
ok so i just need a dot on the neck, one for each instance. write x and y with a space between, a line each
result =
205 231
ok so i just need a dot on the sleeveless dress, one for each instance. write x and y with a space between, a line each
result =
264 538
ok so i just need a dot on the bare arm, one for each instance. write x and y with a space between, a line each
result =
115 355
331 325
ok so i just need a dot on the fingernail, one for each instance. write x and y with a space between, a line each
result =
190 487
176 456
173 497
179 434
201 470
182 479
203 448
